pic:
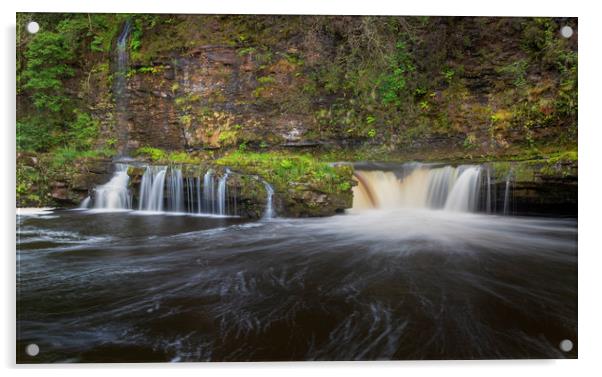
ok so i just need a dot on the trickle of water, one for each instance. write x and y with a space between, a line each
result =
507 193
120 86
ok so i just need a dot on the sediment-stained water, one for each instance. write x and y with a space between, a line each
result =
399 284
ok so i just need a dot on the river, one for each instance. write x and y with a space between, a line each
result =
128 286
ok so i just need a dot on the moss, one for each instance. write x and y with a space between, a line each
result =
158 155
285 170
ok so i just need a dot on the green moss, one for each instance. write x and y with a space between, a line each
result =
285 171
155 154
158 155
61 157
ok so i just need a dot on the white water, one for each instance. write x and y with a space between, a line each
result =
221 194
507 195
449 188
208 192
269 211
176 190
85 204
465 191
115 193
120 86
164 189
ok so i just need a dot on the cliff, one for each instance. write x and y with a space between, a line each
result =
340 88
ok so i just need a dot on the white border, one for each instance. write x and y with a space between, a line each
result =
590 113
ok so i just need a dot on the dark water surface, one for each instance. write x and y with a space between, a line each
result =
126 287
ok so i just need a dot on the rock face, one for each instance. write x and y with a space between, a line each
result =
213 97
42 183
537 187
471 91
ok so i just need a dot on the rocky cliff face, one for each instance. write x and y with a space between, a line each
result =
493 86
214 98
341 88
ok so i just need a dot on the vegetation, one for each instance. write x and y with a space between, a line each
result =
286 171
366 88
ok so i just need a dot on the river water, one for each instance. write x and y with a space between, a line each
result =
402 284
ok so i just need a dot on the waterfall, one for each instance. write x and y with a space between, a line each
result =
420 186
198 194
221 194
152 189
464 195
488 199
208 192
85 203
269 212
120 87
165 189
115 193
176 190
507 194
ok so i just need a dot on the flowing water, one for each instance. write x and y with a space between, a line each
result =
120 86
409 273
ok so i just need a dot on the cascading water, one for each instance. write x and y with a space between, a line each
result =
176 190
465 192
152 189
507 190
85 203
221 194
269 211
465 188
114 194
208 192
120 87
166 189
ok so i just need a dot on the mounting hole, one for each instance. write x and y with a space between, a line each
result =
32 349
566 31
566 345
33 27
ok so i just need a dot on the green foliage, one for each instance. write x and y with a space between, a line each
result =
246 51
448 74
284 171
286 164
344 186
48 56
393 85
372 133
61 157
152 70
34 134
227 137
164 157
155 154
470 141
83 131
266 80
515 71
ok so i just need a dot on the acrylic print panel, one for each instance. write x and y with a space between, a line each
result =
267 188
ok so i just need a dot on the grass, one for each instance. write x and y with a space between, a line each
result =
63 156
